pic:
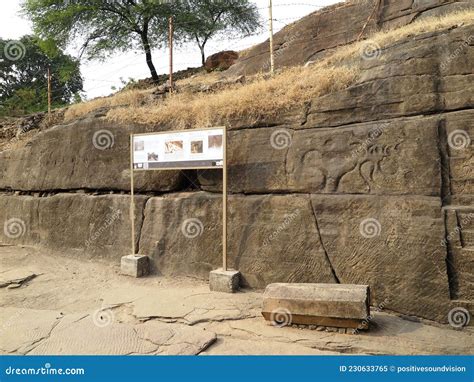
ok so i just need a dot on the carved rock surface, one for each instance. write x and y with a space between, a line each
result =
385 157
271 238
93 226
391 243
89 154
394 151
315 35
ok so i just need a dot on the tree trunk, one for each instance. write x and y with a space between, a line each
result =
201 48
203 55
149 59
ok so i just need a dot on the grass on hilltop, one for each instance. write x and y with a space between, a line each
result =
260 95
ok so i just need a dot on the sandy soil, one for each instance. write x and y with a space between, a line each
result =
51 304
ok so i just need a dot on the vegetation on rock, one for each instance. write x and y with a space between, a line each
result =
259 95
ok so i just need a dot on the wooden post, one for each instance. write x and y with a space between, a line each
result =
171 31
224 201
270 21
132 196
49 93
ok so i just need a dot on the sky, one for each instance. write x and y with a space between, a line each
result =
100 77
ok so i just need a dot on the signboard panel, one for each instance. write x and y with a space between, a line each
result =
187 149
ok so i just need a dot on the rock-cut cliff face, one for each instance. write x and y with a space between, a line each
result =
373 184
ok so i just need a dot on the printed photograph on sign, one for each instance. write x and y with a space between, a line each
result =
152 157
173 147
215 142
197 147
179 149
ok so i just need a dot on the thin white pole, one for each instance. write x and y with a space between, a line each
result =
49 93
270 22
171 31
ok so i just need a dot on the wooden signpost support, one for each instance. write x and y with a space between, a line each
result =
227 280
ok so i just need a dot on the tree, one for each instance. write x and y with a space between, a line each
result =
103 26
24 79
201 20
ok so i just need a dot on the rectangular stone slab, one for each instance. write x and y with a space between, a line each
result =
338 305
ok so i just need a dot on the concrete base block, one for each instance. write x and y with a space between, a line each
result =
330 305
224 281
134 265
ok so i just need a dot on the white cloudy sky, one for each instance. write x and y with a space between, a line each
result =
101 76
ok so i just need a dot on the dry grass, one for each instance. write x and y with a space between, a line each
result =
202 78
261 97
286 90
388 37
132 98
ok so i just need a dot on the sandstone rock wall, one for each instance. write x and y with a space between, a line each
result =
373 184
84 225
312 37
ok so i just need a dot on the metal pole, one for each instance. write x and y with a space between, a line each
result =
132 196
270 21
171 31
224 201
49 92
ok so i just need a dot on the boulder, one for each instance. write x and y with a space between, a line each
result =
221 61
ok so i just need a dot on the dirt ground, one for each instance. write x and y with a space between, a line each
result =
86 307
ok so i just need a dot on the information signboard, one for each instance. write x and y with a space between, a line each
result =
187 149
180 150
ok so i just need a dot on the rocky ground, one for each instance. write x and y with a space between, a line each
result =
53 304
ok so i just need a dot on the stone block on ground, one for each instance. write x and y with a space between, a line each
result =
331 305
134 265
227 281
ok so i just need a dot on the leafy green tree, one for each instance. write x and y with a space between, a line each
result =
201 20
24 78
103 27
